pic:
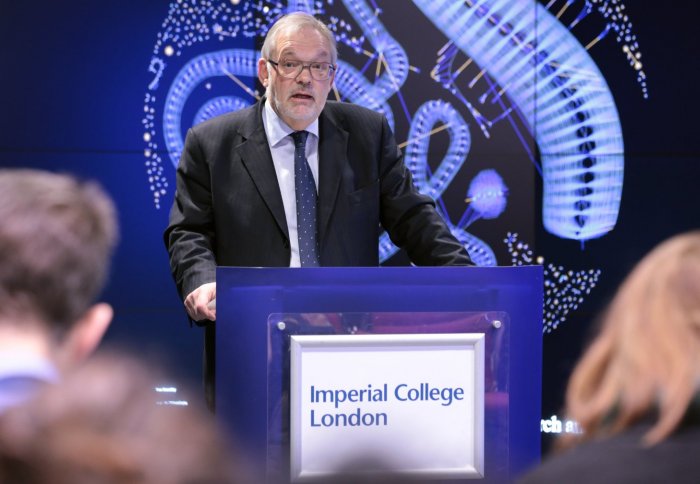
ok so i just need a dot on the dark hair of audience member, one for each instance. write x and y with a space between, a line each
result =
57 235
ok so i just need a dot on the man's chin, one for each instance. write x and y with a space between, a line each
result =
302 114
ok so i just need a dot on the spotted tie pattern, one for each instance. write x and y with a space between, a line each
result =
306 203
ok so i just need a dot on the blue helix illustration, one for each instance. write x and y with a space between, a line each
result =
527 56
571 115
237 62
416 159
353 86
563 98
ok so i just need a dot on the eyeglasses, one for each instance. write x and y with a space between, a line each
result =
290 69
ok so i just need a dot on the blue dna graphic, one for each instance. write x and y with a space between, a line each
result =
552 81
236 62
416 158
563 99
353 85
527 55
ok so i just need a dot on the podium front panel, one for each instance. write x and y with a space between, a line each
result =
260 310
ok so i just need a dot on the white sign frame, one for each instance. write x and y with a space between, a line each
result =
367 350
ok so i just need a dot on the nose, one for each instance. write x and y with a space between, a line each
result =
304 77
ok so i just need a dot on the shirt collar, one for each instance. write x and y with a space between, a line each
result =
27 364
277 130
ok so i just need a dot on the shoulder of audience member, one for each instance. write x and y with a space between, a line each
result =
104 423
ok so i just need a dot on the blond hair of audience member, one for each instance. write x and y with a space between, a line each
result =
57 235
102 423
646 360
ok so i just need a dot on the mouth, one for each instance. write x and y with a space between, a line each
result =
300 96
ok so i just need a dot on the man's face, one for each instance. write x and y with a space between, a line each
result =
297 101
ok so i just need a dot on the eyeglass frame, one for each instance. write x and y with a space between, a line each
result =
331 69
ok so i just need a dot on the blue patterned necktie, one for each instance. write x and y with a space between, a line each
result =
306 203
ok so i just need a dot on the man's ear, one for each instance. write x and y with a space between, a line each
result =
86 335
263 73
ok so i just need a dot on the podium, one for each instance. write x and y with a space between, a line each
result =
441 366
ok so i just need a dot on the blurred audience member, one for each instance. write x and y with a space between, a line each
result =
102 424
636 390
57 235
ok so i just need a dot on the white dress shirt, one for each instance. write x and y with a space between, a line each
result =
282 149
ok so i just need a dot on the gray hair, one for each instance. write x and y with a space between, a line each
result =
294 22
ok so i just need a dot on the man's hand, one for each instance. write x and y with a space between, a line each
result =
198 302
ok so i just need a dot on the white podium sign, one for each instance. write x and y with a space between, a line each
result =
412 402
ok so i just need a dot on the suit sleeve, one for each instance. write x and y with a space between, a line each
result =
409 217
190 236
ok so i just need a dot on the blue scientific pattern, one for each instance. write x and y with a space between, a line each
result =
231 63
564 289
536 74
562 97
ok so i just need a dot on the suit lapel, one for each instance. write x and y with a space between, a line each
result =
255 155
332 157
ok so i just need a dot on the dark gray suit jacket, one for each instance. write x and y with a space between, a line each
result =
228 208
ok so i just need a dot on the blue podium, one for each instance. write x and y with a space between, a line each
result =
265 315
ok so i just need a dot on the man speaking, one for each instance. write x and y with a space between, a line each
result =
295 180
